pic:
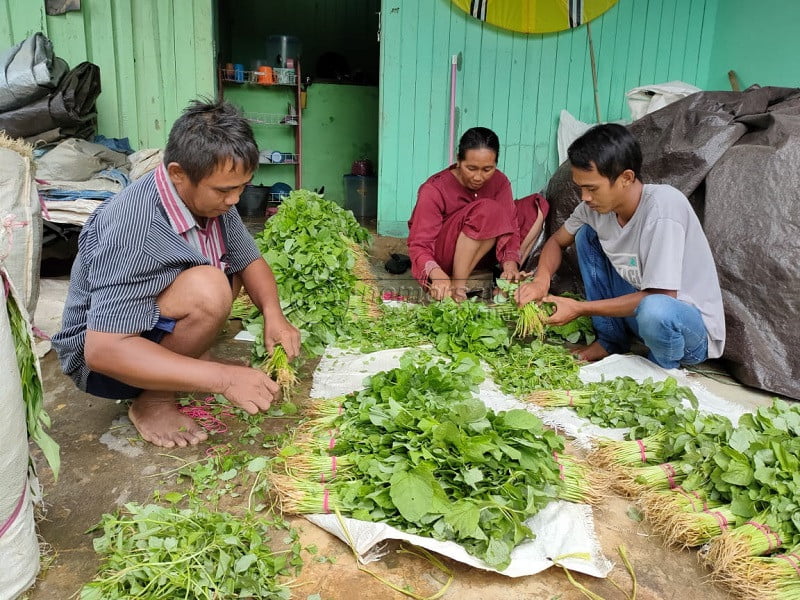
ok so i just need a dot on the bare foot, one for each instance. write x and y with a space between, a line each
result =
590 353
159 422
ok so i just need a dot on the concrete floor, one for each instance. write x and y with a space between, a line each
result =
104 466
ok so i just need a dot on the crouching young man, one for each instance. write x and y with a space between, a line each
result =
157 268
646 265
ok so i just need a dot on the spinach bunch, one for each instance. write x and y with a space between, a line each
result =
307 244
624 402
428 457
167 553
468 326
528 367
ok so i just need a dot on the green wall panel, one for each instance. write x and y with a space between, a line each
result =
517 84
758 40
154 56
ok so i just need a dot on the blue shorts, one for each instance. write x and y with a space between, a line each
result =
104 386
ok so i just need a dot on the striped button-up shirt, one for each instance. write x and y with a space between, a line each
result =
128 253
207 240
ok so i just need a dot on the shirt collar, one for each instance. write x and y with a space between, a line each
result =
179 215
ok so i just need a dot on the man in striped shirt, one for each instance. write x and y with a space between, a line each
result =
156 272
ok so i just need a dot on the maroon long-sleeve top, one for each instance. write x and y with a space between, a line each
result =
433 232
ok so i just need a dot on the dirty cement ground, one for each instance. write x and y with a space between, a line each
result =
103 467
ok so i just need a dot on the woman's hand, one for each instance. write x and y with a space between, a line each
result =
511 271
440 286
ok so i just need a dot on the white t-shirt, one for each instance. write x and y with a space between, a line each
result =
663 246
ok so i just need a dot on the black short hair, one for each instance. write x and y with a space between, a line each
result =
477 138
208 134
611 147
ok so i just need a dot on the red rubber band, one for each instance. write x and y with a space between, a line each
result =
333 466
17 509
792 560
325 497
560 466
669 471
767 533
642 450
723 522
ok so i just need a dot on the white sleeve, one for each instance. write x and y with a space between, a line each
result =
662 255
577 219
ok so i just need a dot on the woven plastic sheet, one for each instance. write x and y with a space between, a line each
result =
735 156
561 528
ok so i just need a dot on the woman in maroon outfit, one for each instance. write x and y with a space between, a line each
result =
462 213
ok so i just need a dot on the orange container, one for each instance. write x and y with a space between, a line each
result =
265 76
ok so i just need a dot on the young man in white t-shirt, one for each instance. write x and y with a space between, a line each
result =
646 265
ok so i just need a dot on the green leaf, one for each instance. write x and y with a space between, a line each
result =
520 419
411 494
257 464
463 517
498 554
244 562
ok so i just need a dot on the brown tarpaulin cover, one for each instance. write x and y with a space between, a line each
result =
736 155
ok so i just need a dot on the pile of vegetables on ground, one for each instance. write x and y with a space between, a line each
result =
417 450
703 481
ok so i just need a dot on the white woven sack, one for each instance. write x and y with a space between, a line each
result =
19 548
19 200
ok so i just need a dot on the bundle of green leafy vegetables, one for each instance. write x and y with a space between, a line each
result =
308 245
170 554
415 449
32 392
468 326
525 368
531 319
623 402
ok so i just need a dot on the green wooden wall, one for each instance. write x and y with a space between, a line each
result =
154 56
516 84
758 40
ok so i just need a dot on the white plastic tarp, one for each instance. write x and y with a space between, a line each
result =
646 99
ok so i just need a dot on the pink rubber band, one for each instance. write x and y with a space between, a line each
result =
642 450
17 509
569 395
669 471
333 466
767 533
325 497
332 443
560 466
792 560
723 522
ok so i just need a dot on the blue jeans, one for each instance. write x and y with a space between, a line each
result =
672 330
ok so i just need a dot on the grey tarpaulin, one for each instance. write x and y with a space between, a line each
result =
28 71
735 155
70 108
